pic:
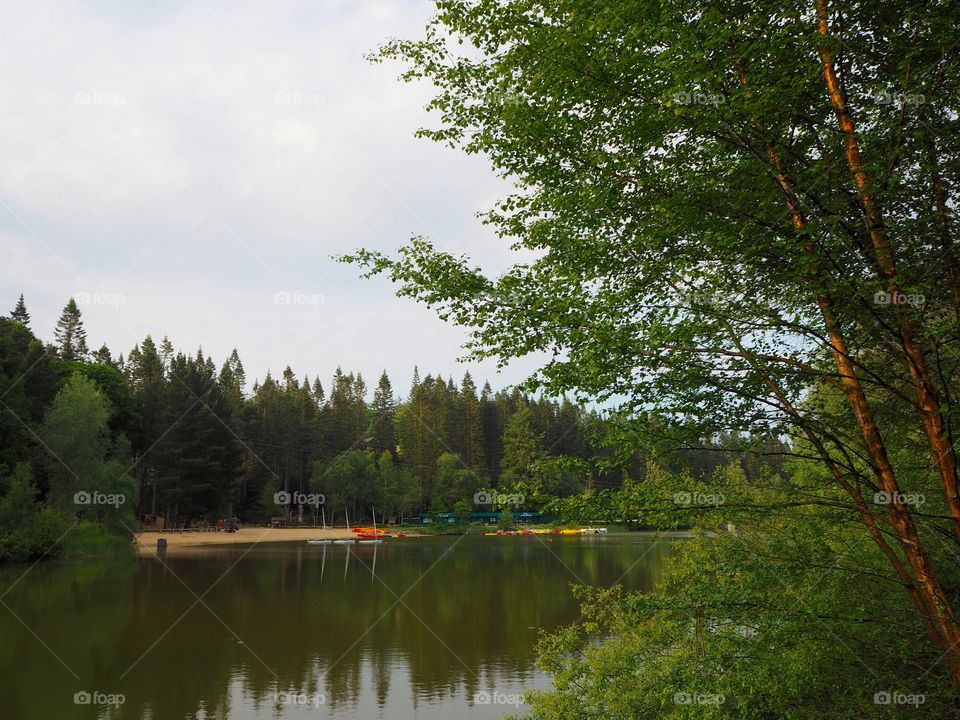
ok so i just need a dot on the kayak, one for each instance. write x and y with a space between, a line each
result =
370 541
319 541
344 542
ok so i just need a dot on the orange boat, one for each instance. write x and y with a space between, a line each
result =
369 533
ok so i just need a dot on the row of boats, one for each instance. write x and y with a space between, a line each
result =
550 531
362 535
375 536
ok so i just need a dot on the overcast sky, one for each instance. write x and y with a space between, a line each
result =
188 168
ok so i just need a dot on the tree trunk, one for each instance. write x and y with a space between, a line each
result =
928 400
942 622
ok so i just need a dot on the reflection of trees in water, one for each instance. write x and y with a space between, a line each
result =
316 629
66 605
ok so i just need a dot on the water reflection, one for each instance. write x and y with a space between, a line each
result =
412 628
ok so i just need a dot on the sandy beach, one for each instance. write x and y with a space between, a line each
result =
147 541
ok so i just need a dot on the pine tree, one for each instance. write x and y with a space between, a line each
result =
383 409
491 429
20 313
321 422
70 335
419 427
305 436
469 434
441 416
521 446
145 372
166 351
360 405
208 362
343 419
144 364
232 380
234 370
266 428
102 356
572 427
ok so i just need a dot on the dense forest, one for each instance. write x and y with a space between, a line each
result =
181 438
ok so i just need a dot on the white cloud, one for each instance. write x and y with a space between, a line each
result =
195 158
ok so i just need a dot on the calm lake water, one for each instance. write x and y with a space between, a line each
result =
415 628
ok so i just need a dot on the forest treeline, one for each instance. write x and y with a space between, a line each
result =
177 436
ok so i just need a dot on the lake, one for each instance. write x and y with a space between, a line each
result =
435 627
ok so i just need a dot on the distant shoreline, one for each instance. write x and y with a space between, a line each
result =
146 541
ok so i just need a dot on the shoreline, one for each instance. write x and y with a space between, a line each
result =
146 541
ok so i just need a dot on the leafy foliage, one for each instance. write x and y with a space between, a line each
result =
737 225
